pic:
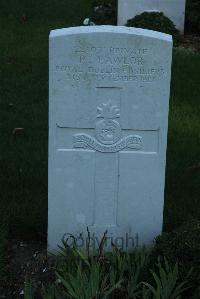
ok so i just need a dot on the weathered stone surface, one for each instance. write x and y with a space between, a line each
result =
108 117
173 9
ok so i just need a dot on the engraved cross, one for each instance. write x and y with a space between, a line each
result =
107 143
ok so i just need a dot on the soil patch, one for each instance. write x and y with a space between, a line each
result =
25 260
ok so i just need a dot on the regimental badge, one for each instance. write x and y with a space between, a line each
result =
108 133
108 130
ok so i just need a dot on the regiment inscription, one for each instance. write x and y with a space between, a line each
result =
113 64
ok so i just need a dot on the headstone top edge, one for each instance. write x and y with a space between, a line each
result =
110 29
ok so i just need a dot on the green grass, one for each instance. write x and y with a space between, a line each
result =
24 102
3 237
183 154
24 28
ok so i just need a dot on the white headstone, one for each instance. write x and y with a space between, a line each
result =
173 9
108 118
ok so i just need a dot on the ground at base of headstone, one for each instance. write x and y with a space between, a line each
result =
27 261
24 260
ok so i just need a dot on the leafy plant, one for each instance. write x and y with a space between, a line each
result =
117 264
136 265
88 284
167 286
183 246
48 293
156 21
146 293
84 276
51 292
28 290
114 274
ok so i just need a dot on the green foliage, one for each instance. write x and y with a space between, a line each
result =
113 274
86 276
136 267
24 28
146 292
182 186
28 290
104 12
125 269
166 280
51 292
193 16
3 236
88 283
183 246
156 21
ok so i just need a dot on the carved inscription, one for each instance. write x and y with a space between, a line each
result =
111 64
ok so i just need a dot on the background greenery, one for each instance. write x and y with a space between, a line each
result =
156 21
24 29
193 16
